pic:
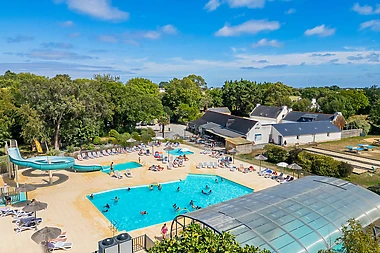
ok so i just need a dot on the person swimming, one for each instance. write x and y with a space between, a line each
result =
191 203
107 206
216 181
207 186
193 207
91 196
209 192
143 212
104 211
198 207
128 189
116 199
175 206
177 209
159 187
178 189
151 187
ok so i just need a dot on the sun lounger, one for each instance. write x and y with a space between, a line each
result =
99 154
84 156
110 152
165 160
210 164
60 245
199 166
94 154
27 226
22 215
204 165
232 168
79 157
215 166
117 174
128 173
27 220
89 154
114 151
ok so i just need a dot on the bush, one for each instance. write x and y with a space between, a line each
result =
293 154
151 132
112 140
52 152
122 138
97 140
70 149
323 165
136 136
375 189
275 153
113 133
145 138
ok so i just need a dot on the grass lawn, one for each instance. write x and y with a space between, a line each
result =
366 179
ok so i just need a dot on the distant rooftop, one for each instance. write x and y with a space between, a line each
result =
266 111
306 128
307 116
220 110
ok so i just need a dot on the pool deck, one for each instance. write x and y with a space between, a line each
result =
85 225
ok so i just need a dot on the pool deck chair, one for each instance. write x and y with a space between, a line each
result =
89 154
204 165
79 157
199 166
94 154
60 246
210 165
105 153
99 154
117 174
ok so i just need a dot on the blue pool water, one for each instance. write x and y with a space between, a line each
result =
178 152
159 204
123 166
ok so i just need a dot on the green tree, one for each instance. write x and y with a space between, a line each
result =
195 239
198 80
302 105
358 122
277 94
163 120
182 94
355 239
356 98
336 103
216 95
374 114
275 153
7 114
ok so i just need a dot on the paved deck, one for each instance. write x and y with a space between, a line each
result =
69 209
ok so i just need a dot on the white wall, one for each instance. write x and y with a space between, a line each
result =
264 120
304 139
264 130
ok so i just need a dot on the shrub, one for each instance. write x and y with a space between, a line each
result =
113 133
375 188
293 154
70 149
52 152
145 138
97 140
136 136
122 138
112 140
151 132
275 153
345 169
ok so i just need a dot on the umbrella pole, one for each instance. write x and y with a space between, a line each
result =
26 196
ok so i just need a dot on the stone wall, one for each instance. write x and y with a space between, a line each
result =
351 133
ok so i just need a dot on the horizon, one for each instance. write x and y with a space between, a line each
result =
301 43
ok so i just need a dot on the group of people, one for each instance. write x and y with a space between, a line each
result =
156 168
107 206
151 187
191 204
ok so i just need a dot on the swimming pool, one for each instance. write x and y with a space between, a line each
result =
178 152
159 204
123 166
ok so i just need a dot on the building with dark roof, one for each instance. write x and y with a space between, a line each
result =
305 215
268 114
224 110
305 132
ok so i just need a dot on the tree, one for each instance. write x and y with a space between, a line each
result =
355 239
358 122
336 103
275 153
182 97
7 114
198 80
216 95
195 239
374 114
277 94
163 120
356 98
303 105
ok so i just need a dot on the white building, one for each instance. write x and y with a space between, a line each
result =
304 133
268 114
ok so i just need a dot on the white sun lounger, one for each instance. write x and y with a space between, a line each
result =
128 173
60 245
89 154
105 153
79 157
210 165
99 154
204 165
117 174
199 166
215 165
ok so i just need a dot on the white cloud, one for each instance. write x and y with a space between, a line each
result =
354 48
251 4
249 27
366 9
374 25
290 11
321 30
169 29
101 9
212 5
67 23
265 42
153 35
108 38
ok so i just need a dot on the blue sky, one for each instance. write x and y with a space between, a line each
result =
299 42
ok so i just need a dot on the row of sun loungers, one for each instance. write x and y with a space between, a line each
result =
26 221
97 154
281 178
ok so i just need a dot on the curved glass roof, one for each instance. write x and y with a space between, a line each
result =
305 215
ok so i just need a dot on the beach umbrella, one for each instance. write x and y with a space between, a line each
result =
282 164
233 152
26 188
130 140
45 235
294 167
34 207
261 158
168 149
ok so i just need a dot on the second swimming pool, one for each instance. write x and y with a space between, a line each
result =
122 166
159 203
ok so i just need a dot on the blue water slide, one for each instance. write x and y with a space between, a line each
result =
40 162
49 162
87 168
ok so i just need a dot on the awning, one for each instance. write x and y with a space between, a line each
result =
224 133
238 141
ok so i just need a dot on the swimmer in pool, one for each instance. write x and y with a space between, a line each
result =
178 189
216 181
207 186
191 203
116 199
159 187
107 206
92 196
143 212
128 189
175 206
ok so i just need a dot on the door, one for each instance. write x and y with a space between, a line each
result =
279 140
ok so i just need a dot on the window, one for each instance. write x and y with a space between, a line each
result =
298 137
328 134
258 137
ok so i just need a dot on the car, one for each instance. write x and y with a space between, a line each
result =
138 124
151 123
143 123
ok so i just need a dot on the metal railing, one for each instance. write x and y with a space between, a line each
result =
142 242
11 192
